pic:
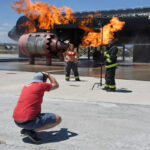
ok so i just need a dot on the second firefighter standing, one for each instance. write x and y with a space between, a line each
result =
71 57
110 65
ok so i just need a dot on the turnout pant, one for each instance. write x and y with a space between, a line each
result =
110 78
73 66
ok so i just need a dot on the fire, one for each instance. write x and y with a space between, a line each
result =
46 15
107 32
87 20
84 22
29 27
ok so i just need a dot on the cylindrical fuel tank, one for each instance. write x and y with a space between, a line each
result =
41 44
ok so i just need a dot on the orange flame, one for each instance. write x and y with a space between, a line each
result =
107 32
87 19
30 27
46 15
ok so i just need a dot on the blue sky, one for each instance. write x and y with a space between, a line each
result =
8 16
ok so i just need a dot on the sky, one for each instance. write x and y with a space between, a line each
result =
8 16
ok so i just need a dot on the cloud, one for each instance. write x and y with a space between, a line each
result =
6 24
3 33
1 28
4 37
5 27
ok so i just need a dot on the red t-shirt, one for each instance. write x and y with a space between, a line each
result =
29 103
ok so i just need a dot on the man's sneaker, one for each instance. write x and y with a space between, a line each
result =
22 132
31 134
111 90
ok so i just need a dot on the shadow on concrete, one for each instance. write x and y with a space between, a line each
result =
52 136
77 81
123 90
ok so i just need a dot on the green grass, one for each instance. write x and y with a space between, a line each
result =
8 52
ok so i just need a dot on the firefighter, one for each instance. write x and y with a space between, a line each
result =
71 57
110 65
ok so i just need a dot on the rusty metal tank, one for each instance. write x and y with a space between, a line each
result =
41 44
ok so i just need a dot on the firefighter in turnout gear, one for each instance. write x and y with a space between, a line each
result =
110 65
71 57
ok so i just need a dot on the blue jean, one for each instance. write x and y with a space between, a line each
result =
40 121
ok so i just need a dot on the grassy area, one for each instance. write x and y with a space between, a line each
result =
8 52
8 48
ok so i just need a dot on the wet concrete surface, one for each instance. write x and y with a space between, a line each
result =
129 71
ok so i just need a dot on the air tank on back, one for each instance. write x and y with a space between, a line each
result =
41 44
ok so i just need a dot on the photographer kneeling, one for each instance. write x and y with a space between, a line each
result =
27 113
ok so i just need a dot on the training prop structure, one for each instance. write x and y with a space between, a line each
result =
41 44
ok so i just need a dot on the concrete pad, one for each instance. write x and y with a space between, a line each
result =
85 126
128 91
92 119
